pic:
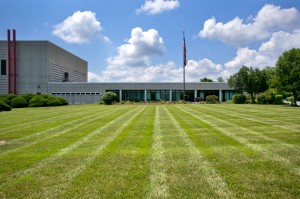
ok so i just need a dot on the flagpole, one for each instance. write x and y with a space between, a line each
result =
184 64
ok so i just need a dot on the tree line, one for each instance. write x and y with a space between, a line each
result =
283 79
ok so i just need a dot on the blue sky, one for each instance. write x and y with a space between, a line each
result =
141 40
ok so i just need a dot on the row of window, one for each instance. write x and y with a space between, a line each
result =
157 95
76 93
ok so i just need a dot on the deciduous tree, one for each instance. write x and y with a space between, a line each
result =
205 79
287 73
250 80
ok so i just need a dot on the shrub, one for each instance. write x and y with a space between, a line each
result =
4 106
19 102
53 101
198 99
63 101
229 102
260 99
9 96
28 96
212 99
44 95
278 99
109 97
5 100
291 99
37 101
239 99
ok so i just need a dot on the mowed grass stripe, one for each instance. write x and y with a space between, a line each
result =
223 125
257 118
43 153
257 132
12 125
158 177
20 143
52 122
267 112
14 117
122 168
254 159
261 131
57 184
206 170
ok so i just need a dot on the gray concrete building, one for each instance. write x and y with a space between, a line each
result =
41 67
28 66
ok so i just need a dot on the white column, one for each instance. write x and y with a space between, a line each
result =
170 95
220 95
120 95
195 94
145 97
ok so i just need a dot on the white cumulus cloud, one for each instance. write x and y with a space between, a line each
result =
136 52
248 57
202 68
78 28
132 63
157 6
93 77
268 52
268 20
168 72
279 42
134 56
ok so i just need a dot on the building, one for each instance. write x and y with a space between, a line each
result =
41 67
78 93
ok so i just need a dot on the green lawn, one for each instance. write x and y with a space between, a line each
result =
150 151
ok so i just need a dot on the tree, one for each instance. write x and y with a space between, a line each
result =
109 97
205 79
287 73
220 79
269 73
249 80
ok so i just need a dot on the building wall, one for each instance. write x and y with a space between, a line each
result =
61 62
40 62
32 68
75 93
3 60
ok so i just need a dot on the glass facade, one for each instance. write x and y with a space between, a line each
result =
204 93
133 95
178 95
157 95
227 95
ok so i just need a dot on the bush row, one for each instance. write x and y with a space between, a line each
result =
268 97
29 100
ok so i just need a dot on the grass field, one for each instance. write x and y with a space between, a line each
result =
150 151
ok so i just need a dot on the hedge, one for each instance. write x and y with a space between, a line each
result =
53 101
37 101
4 106
63 101
28 96
19 102
5 100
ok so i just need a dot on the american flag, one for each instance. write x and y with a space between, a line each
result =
184 51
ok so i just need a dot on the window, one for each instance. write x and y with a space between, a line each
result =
3 67
66 77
